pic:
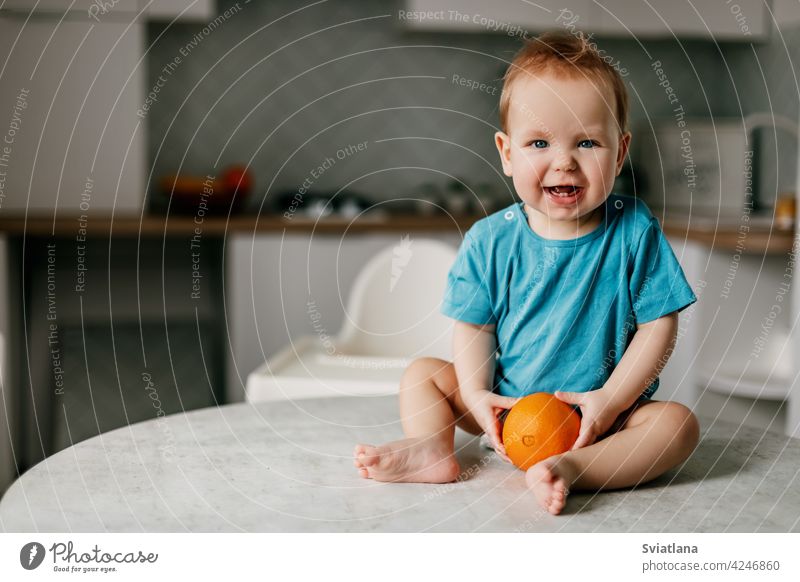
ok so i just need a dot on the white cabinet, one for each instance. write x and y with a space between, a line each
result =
94 10
734 358
69 96
677 380
500 16
74 6
110 10
748 323
182 9
743 20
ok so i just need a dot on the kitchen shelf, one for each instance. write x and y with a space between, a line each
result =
150 225
762 238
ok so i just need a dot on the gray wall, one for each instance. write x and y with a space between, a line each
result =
229 98
767 81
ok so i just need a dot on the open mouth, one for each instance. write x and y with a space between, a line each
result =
564 194
564 191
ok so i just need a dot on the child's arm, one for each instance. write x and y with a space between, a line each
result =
648 352
474 349
642 362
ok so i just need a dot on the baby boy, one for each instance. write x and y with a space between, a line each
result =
573 291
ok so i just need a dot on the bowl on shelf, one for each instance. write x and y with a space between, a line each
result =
320 204
199 196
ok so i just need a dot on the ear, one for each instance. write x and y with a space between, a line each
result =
624 146
503 143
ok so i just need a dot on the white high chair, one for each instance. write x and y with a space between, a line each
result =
392 318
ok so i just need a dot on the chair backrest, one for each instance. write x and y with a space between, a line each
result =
393 309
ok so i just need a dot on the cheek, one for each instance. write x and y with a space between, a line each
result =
603 169
529 168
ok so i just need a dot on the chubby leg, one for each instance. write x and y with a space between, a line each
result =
654 437
430 409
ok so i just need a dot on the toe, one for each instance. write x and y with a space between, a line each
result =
555 505
369 456
363 473
557 502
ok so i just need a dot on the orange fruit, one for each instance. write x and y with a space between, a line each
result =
539 426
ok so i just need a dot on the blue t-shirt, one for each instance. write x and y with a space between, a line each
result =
565 310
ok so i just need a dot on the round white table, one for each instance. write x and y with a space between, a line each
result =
288 467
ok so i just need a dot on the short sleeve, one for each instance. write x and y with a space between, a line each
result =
467 296
658 285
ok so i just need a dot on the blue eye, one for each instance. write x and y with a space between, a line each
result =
539 143
591 143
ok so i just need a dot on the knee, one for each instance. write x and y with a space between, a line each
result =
421 369
684 424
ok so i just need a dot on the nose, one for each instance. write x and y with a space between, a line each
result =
564 161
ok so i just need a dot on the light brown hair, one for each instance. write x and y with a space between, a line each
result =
565 55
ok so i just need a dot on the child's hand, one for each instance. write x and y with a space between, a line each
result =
598 414
485 407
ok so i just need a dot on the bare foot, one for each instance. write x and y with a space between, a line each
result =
415 460
550 480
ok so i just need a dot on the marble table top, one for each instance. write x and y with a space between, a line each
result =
287 467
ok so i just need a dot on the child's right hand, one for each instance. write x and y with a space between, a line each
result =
486 407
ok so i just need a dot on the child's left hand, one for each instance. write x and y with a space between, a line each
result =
598 414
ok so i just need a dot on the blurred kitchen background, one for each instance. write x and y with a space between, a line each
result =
181 179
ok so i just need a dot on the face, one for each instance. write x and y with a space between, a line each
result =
563 149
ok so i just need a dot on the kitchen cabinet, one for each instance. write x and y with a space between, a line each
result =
147 313
7 402
743 20
106 10
106 7
182 9
748 314
287 279
510 17
735 352
677 381
69 98
271 278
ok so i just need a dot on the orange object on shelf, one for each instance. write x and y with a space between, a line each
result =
785 211
189 185
539 426
237 179
200 195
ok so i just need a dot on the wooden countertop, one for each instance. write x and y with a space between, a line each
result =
178 225
755 237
